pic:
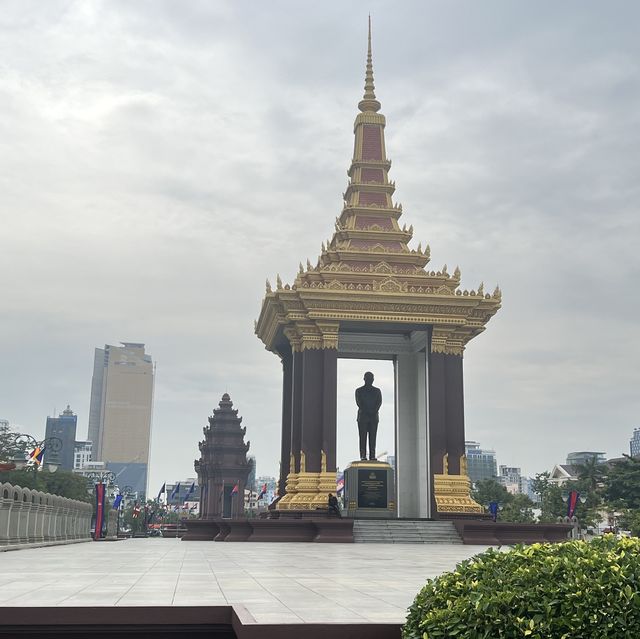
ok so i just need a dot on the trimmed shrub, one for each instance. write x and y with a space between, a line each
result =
570 590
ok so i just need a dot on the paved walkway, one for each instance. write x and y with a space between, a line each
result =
276 582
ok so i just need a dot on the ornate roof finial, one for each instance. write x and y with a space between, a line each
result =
369 102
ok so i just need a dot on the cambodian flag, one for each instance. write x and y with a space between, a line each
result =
100 489
235 489
572 502
263 491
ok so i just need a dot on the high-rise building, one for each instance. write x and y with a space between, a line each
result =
634 444
63 428
120 412
481 462
510 477
582 457
526 488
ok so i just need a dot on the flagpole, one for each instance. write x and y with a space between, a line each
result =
165 508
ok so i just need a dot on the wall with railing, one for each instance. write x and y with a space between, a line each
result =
33 518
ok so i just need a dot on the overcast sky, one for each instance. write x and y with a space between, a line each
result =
160 159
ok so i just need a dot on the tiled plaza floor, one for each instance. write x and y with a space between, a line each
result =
275 582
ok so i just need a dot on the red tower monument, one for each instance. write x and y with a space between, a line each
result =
223 466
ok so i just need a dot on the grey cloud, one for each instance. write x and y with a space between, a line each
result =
159 162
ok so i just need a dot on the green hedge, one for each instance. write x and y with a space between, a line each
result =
544 591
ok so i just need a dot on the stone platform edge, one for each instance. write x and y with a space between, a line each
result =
492 533
326 530
319 530
43 544
217 621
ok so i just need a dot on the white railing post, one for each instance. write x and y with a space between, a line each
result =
6 503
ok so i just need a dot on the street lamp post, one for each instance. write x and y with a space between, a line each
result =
126 494
571 498
100 480
22 441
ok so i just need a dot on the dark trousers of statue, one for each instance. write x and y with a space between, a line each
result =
368 426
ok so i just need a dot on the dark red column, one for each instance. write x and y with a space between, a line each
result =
312 405
437 420
296 410
287 412
313 410
437 411
329 405
454 411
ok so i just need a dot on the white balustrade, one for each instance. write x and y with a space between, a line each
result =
30 517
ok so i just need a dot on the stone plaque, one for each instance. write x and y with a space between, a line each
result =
372 488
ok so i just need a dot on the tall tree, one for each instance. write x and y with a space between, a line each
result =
622 484
487 490
8 446
515 508
551 504
61 483
518 510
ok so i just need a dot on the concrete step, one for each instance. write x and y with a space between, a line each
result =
405 532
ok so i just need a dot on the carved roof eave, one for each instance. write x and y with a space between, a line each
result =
368 164
273 316
368 277
348 213
373 234
292 307
360 255
370 187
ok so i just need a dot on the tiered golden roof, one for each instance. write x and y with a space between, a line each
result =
367 272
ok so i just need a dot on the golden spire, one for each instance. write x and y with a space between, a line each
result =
369 102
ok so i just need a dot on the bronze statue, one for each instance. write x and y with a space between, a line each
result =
369 400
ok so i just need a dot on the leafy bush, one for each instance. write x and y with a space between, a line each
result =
544 591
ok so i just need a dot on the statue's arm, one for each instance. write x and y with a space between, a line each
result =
358 398
379 399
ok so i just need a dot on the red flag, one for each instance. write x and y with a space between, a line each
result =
100 498
235 489
572 503
263 491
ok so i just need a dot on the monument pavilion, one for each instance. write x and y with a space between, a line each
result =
370 296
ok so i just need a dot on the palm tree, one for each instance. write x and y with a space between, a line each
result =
592 472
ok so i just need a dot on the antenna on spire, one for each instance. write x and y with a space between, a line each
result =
369 102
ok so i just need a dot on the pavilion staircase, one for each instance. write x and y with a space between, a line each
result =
404 531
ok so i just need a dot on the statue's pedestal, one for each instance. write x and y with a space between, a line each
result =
370 490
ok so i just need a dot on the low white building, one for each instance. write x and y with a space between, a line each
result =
81 454
562 473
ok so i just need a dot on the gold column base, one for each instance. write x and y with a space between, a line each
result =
453 494
307 491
